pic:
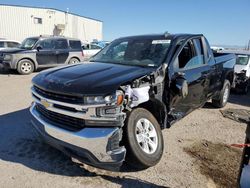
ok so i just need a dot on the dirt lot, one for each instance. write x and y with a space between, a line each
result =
197 151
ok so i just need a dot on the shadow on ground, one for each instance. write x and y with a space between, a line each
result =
240 99
8 72
20 144
4 71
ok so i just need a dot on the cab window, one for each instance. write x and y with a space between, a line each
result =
208 52
46 44
61 44
192 55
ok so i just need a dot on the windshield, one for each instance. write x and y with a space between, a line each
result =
28 43
135 51
242 60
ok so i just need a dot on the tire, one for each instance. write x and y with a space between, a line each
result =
25 67
223 97
138 157
73 60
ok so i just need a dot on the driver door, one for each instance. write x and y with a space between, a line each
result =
188 78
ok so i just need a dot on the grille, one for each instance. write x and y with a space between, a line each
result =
63 121
59 97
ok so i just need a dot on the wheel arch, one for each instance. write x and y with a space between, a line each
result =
158 109
30 59
75 58
230 77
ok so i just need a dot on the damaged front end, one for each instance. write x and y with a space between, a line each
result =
148 92
89 132
89 129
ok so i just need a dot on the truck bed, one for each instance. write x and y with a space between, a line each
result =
229 59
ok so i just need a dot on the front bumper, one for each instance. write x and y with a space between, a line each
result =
93 146
5 64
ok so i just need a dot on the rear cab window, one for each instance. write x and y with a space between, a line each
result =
208 52
75 45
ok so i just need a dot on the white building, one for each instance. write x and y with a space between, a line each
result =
19 22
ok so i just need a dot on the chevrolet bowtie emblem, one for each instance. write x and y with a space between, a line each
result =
45 103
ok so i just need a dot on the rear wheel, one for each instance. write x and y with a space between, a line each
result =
25 66
224 95
144 141
73 60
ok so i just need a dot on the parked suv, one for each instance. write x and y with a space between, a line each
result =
38 52
4 43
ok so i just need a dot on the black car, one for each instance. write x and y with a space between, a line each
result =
114 107
42 51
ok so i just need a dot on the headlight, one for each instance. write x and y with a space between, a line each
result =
99 99
117 99
7 58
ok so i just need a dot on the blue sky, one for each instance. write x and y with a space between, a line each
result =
224 22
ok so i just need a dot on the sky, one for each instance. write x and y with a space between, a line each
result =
223 22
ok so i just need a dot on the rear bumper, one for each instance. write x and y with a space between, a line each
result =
98 147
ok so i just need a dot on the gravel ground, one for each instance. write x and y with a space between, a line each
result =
27 162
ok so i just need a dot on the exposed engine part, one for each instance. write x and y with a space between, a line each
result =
136 96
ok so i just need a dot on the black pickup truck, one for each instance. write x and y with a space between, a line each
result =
114 107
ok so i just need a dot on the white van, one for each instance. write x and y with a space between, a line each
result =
242 71
243 63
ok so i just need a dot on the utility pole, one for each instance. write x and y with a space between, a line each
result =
248 46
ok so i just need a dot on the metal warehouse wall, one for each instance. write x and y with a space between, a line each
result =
17 23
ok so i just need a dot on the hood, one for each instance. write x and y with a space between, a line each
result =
89 78
12 50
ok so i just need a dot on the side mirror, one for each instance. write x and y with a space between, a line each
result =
38 48
182 87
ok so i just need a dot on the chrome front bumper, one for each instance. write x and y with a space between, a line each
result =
94 146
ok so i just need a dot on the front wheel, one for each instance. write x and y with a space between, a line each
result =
144 141
25 66
224 95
